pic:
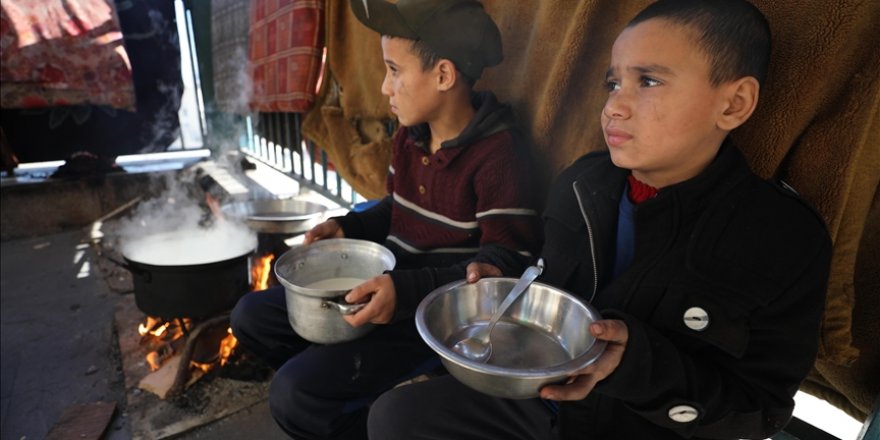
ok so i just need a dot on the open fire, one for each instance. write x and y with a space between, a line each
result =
166 339
261 272
227 347
161 338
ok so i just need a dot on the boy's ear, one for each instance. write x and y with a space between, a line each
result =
446 74
741 98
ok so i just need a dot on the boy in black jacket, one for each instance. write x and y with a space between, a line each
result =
711 281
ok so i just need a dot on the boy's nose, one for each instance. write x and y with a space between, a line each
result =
615 107
386 86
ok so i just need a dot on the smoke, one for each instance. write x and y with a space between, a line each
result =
167 119
233 85
233 92
174 229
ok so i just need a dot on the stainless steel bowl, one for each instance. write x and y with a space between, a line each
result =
315 313
276 216
542 339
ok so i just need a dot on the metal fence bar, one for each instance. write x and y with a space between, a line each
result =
299 143
278 140
264 143
288 143
313 175
273 134
339 185
324 166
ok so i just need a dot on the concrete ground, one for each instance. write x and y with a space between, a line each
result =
59 347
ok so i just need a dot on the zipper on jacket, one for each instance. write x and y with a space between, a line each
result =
577 195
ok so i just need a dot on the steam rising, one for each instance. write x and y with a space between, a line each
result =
174 230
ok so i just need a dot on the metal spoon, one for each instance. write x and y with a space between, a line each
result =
478 347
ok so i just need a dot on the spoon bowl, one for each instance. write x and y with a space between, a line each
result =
478 347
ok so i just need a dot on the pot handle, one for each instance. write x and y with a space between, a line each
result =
117 262
129 267
343 307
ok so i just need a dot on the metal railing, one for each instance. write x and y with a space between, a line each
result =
273 138
276 140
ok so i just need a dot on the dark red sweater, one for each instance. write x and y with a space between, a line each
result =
474 199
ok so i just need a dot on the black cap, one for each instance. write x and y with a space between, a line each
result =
458 30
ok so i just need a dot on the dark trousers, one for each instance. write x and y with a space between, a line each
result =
324 391
444 408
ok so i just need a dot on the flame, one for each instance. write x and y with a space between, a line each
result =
153 360
203 367
153 326
260 272
158 336
227 347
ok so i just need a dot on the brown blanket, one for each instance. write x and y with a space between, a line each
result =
817 127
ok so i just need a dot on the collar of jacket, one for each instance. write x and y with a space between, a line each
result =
491 117
603 182
599 185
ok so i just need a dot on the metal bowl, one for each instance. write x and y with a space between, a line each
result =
317 276
276 216
542 339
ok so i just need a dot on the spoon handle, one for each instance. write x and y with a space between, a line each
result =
527 277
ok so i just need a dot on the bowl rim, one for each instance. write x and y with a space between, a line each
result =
589 356
327 244
273 210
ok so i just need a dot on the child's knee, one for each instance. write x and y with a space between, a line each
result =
391 415
299 408
241 316
283 392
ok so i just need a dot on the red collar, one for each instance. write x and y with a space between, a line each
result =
638 191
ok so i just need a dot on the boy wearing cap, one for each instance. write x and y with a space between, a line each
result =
459 191
711 280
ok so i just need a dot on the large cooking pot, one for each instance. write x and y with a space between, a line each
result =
185 274
316 278
276 216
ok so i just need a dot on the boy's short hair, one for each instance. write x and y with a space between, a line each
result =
733 34
458 30
428 59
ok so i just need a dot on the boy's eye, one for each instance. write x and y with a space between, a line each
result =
649 82
611 85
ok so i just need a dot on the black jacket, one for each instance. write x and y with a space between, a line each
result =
722 300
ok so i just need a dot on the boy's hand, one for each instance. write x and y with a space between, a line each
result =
382 297
475 271
326 229
582 382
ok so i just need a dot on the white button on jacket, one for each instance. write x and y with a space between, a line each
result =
696 318
683 413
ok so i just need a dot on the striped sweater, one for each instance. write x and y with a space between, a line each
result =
473 200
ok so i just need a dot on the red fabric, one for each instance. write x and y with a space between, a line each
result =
63 52
286 43
639 191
